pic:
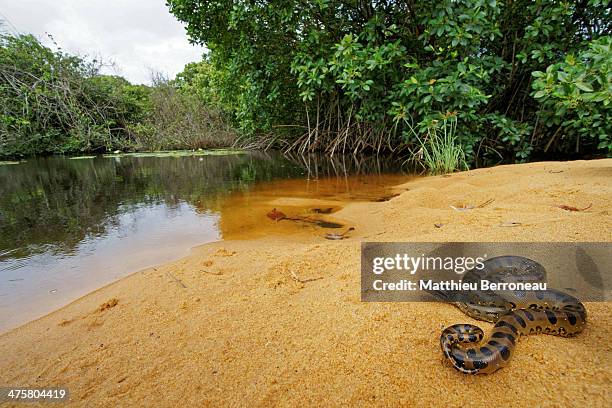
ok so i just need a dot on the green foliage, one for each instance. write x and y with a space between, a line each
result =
202 80
56 103
52 102
349 75
576 97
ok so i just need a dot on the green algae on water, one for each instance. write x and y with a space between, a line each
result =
179 153
82 157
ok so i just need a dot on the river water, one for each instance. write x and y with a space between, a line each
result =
71 225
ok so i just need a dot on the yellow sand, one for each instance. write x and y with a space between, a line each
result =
273 321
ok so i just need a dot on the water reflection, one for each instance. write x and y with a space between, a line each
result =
70 226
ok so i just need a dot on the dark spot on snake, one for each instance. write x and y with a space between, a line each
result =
495 344
539 295
472 338
471 353
502 335
505 353
459 361
551 317
503 323
571 317
449 338
512 305
538 329
486 351
479 364
534 306
520 320
528 315
520 293
547 330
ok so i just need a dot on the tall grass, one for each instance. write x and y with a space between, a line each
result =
439 151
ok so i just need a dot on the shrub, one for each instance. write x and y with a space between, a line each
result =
180 120
347 75
575 98
52 102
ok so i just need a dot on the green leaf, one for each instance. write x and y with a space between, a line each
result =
584 86
539 94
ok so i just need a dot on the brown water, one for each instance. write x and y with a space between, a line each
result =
68 227
305 202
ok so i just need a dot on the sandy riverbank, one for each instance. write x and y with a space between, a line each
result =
276 321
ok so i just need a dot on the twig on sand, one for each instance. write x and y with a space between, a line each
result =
510 224
212 273
299 280
570 208
471 207
178 281
489 201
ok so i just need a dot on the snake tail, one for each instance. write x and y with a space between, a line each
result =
460 342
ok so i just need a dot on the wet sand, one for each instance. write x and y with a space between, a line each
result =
277 319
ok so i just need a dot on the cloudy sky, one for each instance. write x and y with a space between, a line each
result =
136 35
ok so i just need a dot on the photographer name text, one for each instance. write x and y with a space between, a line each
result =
455 285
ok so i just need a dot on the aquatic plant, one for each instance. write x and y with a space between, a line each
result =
439 150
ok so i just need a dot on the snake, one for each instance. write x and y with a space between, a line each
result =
514 313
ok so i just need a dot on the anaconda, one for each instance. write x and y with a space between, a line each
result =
515 314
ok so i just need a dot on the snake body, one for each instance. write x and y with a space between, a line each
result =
515 314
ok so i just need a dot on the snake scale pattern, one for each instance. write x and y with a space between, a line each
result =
516 314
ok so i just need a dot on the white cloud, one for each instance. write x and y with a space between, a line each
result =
136 35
